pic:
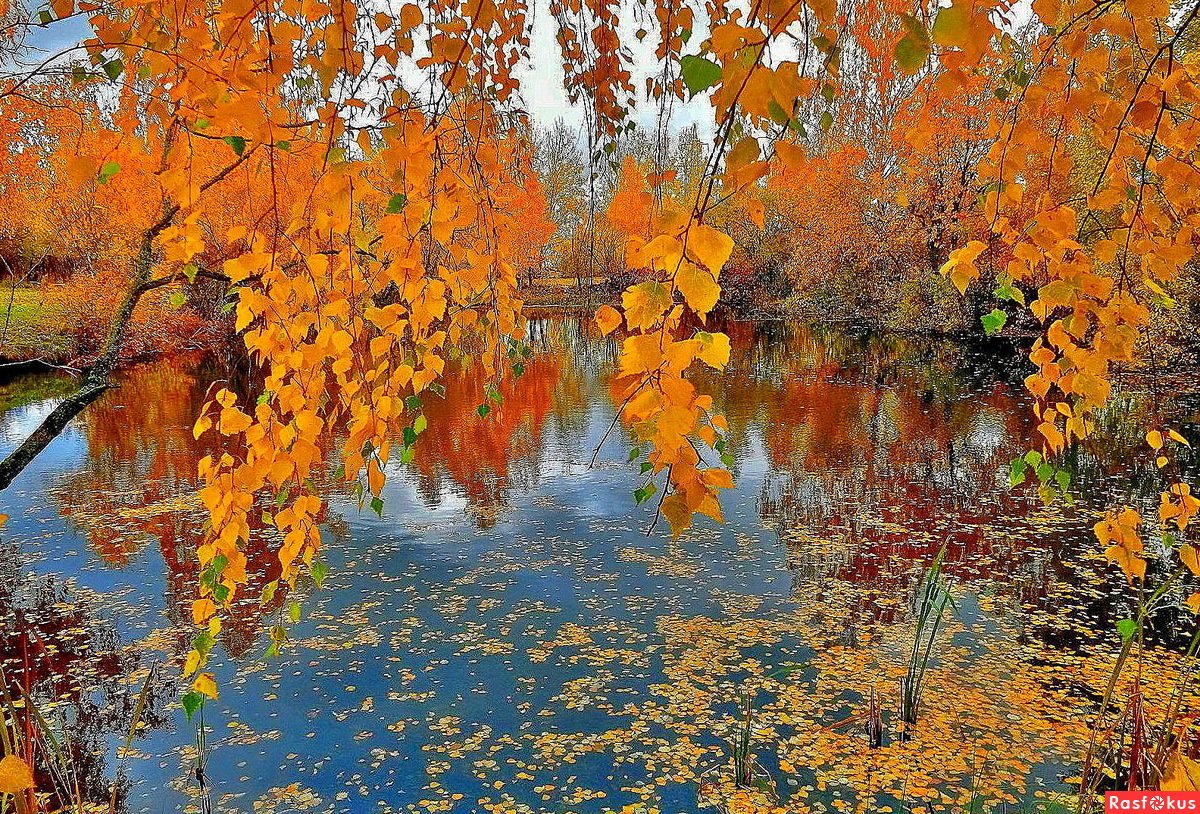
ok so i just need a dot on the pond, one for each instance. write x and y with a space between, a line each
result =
512 633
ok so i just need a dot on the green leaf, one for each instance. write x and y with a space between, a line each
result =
108 170
483 410
1016 472
646 467
912 50
634 454
777 113
412 403
177 300
826 121
1126 627
269 591
114 68
1063 478
285 145
237 143
1008 291
45 17
204 642
79 74
294 611
644 493
952 26
407 454
396 203
699 73
190 271
1033 457
318 570
993 321
191 703
1044 472
420 424
409 436
377 506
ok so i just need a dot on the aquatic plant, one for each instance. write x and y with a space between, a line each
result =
32 747
929 606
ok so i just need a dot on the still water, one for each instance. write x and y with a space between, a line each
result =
508 636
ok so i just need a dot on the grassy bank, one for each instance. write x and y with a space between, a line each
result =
34 325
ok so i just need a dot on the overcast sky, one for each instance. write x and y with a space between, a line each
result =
541 78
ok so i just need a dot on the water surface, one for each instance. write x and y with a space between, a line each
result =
511 634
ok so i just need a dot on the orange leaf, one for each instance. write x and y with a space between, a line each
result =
15 775
608 319
1180 774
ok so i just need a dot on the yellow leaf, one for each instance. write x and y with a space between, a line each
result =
698 288
640 354
201 426
663 253
205 685
608 319
1154 439
714 349
710 247
645 303
1177 437
1190 557
15 775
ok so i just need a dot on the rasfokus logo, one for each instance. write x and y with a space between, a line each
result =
1152 801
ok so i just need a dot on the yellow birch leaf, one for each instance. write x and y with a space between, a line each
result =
645 303
714 349
15 775
1190 557
205 685
698 288
710 247
1180 774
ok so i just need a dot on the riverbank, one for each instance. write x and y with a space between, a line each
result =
34 328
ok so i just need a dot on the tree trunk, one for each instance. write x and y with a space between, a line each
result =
96 380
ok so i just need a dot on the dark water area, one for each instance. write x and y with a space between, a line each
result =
507 636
